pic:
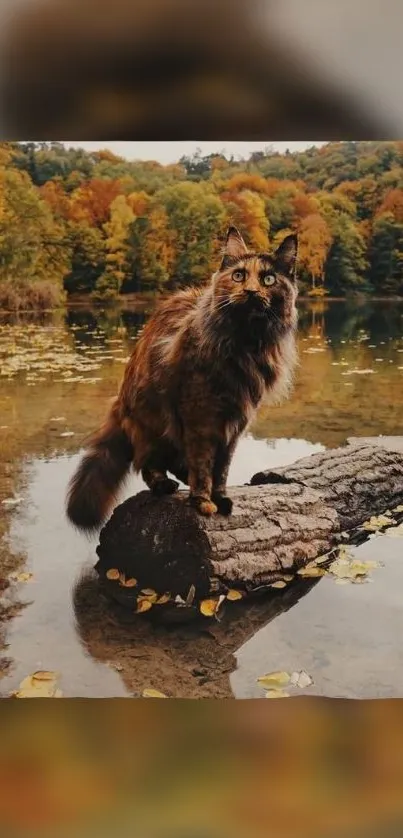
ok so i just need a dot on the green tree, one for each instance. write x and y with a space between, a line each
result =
197 217
386 256
346 263
117 248
87 247
31 243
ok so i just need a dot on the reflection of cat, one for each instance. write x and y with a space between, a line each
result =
203 363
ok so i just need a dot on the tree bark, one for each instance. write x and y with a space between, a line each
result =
284 519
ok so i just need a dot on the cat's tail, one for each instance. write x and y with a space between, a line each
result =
102 470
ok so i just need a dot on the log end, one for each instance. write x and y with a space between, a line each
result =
154 545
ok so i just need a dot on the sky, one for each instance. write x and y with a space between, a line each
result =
171 152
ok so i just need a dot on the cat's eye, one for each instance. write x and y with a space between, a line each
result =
268 279
238 276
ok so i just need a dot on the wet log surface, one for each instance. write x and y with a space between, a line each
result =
284 519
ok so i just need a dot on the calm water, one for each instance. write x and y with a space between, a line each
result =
56 379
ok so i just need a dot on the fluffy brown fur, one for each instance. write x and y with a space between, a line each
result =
204 362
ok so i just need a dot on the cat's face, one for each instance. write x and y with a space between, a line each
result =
258 285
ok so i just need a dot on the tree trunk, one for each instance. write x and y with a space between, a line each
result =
284 519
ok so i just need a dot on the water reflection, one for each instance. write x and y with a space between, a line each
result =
69 365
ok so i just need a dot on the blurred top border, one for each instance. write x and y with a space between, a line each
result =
169 70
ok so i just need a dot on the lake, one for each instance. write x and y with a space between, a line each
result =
57 375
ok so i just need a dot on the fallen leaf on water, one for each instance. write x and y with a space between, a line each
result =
311 572
191 595
45 675
22 577
395 532
143 605
10 502
57 419
274 680
150 693
276 694
67 433
113 573
301 679
149 595
179 600
351 569
41 684
130 583
377 522
359 372
162 600
208 607
279 584
233 595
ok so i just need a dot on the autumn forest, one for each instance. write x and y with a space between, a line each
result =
73 222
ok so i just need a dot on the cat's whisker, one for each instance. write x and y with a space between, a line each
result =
224 305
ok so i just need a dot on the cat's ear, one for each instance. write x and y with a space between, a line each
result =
235 247
285 256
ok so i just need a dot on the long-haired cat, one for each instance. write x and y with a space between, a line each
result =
202 365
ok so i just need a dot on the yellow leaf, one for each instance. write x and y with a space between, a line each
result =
150 596
162 600
274 680
22 577
143 605
44 675
149 693
113 573
233 595
395 532
130 583
344 569
398 508
39 685
208 607
376 523
279 584
311 572
276 694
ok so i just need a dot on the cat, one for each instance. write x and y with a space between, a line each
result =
200 369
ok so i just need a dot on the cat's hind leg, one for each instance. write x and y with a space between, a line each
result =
159 482
154 469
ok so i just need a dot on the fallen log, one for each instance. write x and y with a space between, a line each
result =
160 552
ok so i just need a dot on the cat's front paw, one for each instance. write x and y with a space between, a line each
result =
223 503
203 506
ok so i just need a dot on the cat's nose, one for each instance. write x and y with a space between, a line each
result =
251 292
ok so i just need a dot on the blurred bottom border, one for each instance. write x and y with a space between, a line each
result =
201 769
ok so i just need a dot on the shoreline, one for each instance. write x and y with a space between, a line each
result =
128 301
